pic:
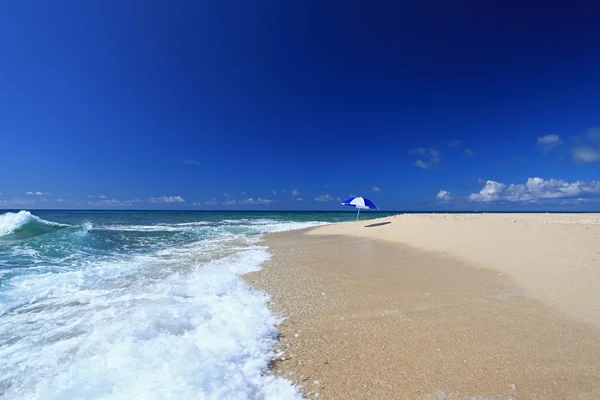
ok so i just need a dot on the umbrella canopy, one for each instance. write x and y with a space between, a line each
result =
359 203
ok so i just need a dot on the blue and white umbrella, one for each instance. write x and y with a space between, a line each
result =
360 203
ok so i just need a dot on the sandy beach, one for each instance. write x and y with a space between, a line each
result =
485 306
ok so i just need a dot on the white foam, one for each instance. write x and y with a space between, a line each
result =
174 323
201 333
10 222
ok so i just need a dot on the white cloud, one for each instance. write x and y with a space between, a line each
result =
113 202
549 142
536 189
256 201
191 162
490 192
470 152
585 155
34 193
444 195
323 197
296 193
167 199
274 192
211 202
376 189
102 196
229 202
299 199
228 195
454 143
433 154
481 181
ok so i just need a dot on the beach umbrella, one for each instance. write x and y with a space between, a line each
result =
360 203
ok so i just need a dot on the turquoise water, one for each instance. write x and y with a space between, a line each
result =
143 304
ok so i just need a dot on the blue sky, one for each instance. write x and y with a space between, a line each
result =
294 105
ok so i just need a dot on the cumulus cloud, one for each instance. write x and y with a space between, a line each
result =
323 197
470 152
191 162
444 195
432 160
585 155
536 189
376 189
549 142
167 199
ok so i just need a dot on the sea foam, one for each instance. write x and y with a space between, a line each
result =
201 334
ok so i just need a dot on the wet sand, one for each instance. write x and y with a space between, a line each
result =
385 313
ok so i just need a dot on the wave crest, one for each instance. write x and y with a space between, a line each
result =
25 224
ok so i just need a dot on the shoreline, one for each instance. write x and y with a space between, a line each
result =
370 314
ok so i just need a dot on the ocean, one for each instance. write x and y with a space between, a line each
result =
139 304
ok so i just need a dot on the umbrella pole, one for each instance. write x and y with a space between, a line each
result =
357 214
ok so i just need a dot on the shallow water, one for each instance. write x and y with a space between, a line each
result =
138 304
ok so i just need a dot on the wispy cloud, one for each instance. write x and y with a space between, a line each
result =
470 153
433 157
323 197
453 144
16 202
167 199
376 189
35 193
256 201
549 142
296 193
585 155
227 195
587 147
211 202
113 203
191 162
422 164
